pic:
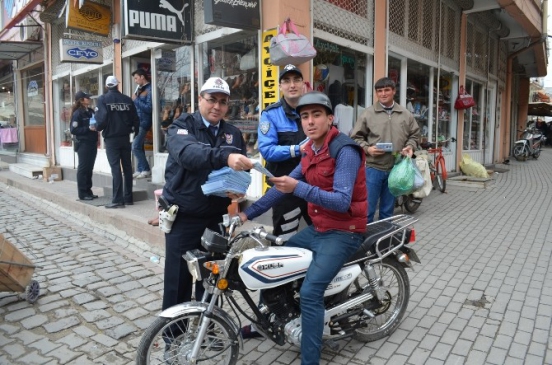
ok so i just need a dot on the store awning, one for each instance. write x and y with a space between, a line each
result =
540 109
15 50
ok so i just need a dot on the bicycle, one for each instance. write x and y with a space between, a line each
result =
437 168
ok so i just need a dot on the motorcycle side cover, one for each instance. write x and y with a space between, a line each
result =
275 266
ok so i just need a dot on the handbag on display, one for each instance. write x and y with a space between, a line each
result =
290 48
464 100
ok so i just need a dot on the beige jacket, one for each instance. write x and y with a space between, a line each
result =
376 125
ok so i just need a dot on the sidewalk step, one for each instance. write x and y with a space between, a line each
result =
137 194
470 182
23 169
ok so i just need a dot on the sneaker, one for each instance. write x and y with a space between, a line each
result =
143 174
136 174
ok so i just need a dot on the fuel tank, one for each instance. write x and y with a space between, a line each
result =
275 266
264 269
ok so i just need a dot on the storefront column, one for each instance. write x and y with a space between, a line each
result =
523 103
381 30
462 82
273 14
117 46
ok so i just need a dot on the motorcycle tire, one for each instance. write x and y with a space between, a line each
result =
167 341
394 280
536 154
412 204
520 152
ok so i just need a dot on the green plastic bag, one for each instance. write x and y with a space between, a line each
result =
401 177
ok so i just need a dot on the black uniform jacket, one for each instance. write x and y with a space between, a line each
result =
116 115
80 123
193 154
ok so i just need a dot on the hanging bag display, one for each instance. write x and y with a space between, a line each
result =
290 48
464 100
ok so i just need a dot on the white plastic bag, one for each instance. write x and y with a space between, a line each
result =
290 48
423 166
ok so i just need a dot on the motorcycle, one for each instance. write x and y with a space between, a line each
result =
529 144
366 300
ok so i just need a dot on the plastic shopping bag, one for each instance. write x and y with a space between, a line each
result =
472 168
423 166
290 48
418 177
401 177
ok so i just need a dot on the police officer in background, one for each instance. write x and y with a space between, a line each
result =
86 144
197 144
117 117
280 137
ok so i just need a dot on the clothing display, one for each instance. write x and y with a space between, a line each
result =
344 115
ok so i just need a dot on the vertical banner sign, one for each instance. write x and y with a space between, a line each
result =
269 76
163 20
269 72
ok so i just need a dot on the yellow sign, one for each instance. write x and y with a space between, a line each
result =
269 72
91 17
269 75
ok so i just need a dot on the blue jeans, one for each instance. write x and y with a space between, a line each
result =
138 150
378 189
330 250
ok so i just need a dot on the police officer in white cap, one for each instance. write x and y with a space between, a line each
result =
117 118
197 144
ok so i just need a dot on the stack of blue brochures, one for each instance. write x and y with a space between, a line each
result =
226 180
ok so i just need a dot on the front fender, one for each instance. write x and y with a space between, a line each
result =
191 307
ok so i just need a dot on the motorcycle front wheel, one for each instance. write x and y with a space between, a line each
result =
171 340
395 286
520 152
412 204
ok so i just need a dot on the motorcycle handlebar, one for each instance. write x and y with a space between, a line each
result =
272 238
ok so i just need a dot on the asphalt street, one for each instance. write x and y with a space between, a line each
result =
482 295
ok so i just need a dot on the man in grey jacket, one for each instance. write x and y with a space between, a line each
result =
384 122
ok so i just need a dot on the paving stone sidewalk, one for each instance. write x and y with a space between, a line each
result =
482 294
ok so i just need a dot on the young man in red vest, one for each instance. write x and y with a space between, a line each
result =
332 180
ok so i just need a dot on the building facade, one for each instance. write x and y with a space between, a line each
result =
431 48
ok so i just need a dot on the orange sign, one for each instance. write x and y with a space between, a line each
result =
91 17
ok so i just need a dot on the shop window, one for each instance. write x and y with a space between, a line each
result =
442 129
417 96
394 73
64 103
235 60
89 83
472 118
340 73
174 88
8 129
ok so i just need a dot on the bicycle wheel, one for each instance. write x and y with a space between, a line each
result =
440 181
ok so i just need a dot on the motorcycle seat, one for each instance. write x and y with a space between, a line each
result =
373 233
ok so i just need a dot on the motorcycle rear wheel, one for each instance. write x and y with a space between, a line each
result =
411 204
170 340
520 152
394 280
536 154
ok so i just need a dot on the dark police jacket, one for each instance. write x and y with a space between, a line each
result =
193 154
116 115
80 123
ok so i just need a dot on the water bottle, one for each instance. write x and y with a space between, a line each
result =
92 122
